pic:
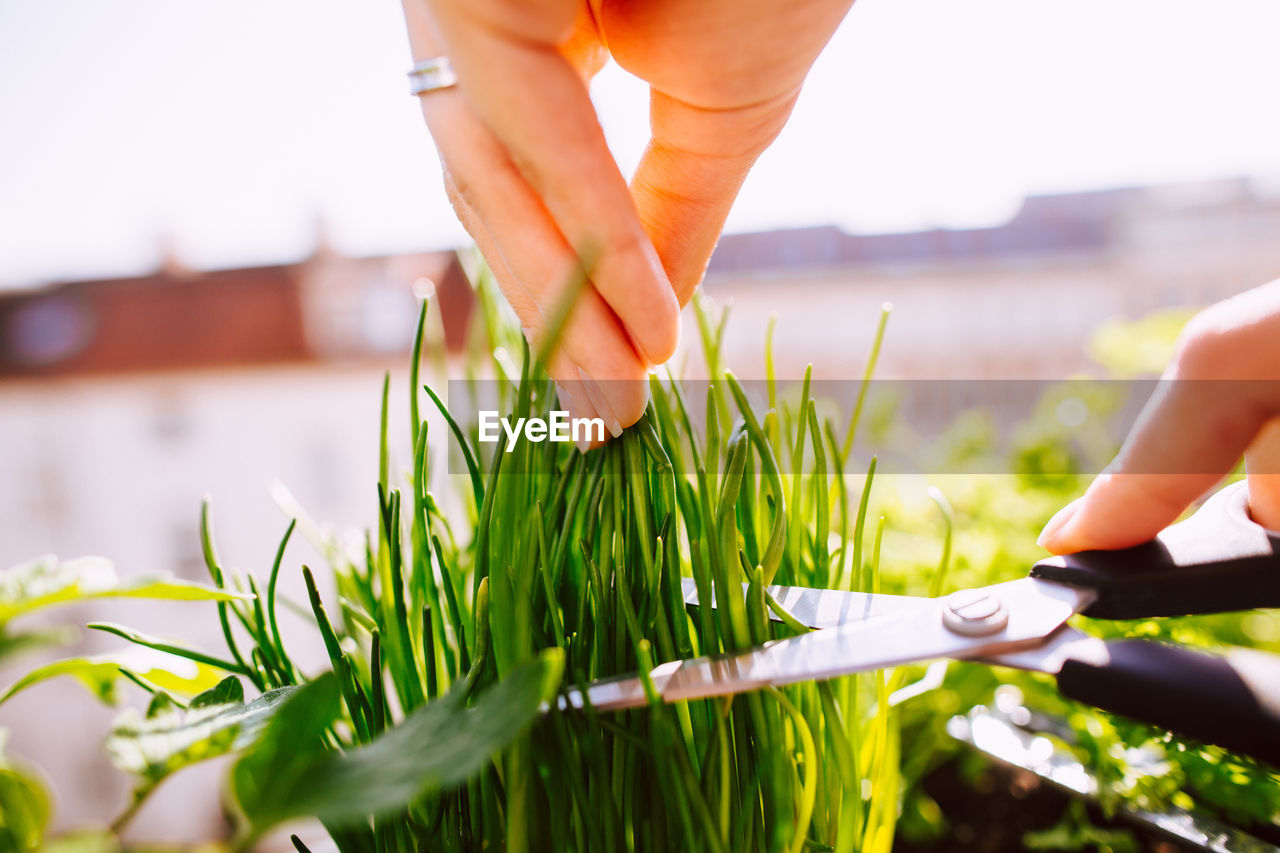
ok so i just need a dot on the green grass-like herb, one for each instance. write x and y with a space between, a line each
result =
586 553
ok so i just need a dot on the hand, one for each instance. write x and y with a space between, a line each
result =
1190 426
529 174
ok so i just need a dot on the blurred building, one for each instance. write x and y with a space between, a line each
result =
325 309
123 402
1019 300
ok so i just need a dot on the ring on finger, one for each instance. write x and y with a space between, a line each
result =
431 75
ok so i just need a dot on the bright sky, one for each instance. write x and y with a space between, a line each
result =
229 128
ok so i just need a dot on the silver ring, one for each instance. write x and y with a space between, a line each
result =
431 75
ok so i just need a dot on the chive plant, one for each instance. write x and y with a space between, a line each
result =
585 553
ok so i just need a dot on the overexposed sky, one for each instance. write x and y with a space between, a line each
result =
228 128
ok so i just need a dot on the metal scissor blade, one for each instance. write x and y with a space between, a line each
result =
1036 610
824 608
1067 643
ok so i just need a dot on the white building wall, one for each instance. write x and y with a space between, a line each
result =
117 466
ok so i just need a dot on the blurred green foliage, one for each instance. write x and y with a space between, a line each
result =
24 805
997 520
1132 348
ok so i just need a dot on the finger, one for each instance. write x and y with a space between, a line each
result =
453 122
538 263
530 258
1220 393
450 121
578 393
561 368
1190 434
1180 448
515 233
691 173
722 87
1262 461
537 105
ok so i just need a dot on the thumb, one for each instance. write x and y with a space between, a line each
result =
1120 509
1213 403
691 172
1262 461
1187 438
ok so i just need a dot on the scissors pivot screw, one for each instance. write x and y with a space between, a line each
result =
974 613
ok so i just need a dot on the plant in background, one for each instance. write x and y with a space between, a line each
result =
45 583
997 520
24 805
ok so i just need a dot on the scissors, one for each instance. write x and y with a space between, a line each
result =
1218 560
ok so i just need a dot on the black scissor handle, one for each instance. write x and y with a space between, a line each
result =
1232 700
1216 561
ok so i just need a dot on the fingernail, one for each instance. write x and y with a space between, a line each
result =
601 404
1059 521
563 396
583 445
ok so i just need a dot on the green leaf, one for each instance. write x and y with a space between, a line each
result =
101 673
290 774
84 841
162 703
24 806
169 738
150 642
228 691
47 581
14 644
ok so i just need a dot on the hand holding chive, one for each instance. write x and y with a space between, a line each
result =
531 178
1226 401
